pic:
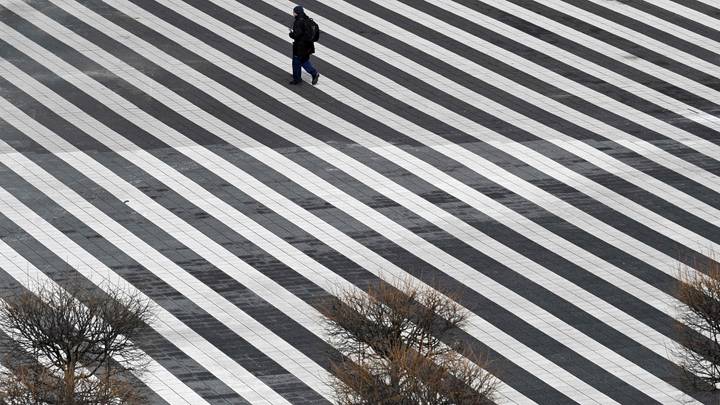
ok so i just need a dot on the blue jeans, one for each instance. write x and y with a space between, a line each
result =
297 63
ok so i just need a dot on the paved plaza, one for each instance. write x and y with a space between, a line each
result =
553 162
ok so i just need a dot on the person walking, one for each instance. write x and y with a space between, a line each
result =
303 46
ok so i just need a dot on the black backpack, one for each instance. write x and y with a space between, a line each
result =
312 30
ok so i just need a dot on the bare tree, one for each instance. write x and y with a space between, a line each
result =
392 340
699 342
72 346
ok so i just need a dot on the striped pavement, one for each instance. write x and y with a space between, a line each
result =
554 162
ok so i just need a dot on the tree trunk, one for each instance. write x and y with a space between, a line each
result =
68 397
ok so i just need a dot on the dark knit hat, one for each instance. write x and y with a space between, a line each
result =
298 10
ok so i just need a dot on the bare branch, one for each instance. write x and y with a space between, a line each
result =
699 339
393 340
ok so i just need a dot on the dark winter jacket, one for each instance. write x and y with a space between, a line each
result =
302 47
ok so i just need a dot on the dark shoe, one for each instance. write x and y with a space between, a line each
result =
315 77
296 82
